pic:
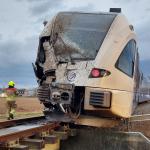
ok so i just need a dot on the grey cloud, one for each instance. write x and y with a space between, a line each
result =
8 51
44 6
125 1
142 31
143 39
15 61
147 9
144 65
22 74
31 1
88 8
1 37
36 1
16 52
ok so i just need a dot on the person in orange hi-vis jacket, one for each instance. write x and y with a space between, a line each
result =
11 93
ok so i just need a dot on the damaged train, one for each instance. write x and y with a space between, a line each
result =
88 64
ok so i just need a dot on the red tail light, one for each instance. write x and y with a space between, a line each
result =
96 73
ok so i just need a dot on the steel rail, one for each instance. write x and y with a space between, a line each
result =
9 123
12 133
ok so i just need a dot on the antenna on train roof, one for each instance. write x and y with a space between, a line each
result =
117 10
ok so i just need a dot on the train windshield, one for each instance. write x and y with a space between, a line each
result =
78 36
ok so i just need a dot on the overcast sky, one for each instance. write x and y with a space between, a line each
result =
21 24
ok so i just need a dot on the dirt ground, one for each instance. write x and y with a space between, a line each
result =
25 105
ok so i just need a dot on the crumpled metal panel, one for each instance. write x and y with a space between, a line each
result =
50 62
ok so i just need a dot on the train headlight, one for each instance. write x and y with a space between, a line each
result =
56 96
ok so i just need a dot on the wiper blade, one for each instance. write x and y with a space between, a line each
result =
62 62
86 58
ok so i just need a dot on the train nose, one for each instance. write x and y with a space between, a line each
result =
56 96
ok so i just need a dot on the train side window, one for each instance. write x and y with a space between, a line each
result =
126 60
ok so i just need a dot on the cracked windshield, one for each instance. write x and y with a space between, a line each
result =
79 36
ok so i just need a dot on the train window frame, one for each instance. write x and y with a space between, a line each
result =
100 43
133 61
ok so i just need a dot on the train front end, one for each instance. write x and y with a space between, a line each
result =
75 66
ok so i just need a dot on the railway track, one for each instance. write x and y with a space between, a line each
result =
38 133
35 133
9 123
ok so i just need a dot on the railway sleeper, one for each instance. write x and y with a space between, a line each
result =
44 140
50 142
13 145
35 144
64 132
